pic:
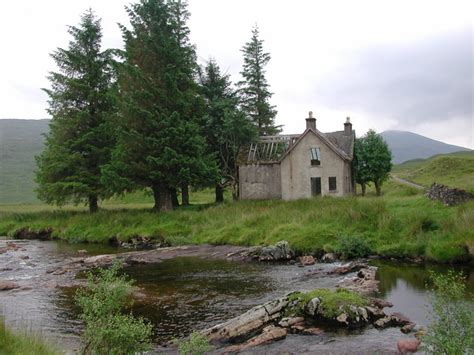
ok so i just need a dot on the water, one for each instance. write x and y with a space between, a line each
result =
187 293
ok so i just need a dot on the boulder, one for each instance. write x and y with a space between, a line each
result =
408 328
288 322
248 323
82 251
269 334
311 308
328 258
307 260
277 252
349 267
408 346
8 285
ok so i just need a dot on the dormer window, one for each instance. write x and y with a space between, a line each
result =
315 156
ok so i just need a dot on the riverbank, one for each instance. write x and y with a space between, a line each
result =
401 224
19 343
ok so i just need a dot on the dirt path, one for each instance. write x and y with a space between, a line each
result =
406 182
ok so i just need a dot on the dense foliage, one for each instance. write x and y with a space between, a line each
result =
452 328
254 88
372 161
107 329
226 127
80 103
160 145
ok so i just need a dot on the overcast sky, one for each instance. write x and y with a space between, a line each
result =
405 65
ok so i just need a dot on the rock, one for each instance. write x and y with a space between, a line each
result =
288 322
364 283
375 313
8 285
399 319
311 308
408 346
248 323
311 331
408 328
379 303
269 334
3 250
99 260
383 323
307 260
448 196
279 251
82 251
24 257
349 267
343 318
328 258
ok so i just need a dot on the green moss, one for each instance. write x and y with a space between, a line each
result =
333 302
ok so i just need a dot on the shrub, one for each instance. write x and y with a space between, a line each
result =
353 247
197 344
452 327
107 329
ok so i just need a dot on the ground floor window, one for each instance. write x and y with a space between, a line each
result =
332 183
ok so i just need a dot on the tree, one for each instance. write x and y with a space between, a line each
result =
159 144
226 128
359 165
373 161
80 103
254 88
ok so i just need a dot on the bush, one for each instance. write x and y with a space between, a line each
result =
353 247
452 327
107 329
196 345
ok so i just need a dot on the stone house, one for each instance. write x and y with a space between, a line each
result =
291 167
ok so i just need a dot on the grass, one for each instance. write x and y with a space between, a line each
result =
21 343
454 170
402 223
333 302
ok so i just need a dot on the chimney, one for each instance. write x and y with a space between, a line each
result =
311 121
348 127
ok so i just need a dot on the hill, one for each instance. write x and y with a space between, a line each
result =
454 170
407 146
20 141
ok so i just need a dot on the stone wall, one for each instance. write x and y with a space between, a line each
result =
448 196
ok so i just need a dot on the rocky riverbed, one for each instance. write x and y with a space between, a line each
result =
199 288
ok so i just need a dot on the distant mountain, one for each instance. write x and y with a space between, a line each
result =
20 141
407 146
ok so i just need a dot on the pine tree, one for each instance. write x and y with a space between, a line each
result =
255 94
159 143
226 128
80 103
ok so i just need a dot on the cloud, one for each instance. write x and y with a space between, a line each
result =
410 83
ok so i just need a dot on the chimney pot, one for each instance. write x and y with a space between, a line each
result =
348 127
311 122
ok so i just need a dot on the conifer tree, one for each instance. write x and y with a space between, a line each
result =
80 103
159 143
226 127
254 88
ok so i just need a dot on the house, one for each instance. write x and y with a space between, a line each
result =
291 167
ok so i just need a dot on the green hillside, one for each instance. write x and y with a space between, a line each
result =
454 170
20 141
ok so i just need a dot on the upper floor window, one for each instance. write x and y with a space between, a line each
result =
332 183
315 156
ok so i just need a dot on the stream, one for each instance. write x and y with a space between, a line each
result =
184 294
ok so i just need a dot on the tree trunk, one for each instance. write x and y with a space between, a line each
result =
363 186
219 194
93 205
378 188
235 191
163 198
185 195
174 197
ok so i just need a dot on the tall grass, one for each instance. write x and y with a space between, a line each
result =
399 224
23 343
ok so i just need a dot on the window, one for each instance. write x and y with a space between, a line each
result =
315 156
332 183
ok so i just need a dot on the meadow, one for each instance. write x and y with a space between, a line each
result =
400 224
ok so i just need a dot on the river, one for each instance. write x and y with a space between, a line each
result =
189 293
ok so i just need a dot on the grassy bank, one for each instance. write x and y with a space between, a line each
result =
21 343
402 223
454 170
